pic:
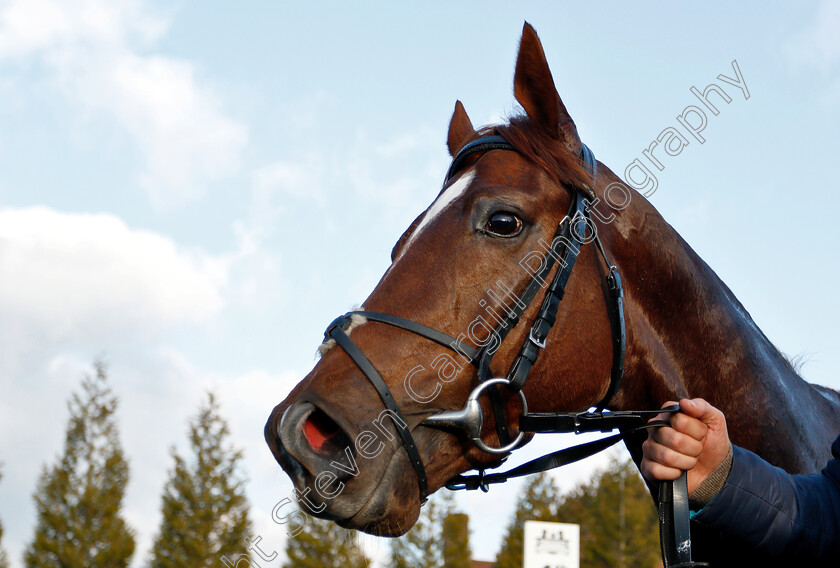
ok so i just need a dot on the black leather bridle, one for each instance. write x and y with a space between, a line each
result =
573 227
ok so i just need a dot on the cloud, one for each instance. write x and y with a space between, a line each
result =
91 50
186 140
378 173
77 276
31 26
300 180
819 44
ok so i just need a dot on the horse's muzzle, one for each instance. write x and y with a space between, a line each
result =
306 439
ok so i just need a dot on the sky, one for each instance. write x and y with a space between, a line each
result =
193 190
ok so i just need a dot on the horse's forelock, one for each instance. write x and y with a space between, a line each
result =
551 154
561 164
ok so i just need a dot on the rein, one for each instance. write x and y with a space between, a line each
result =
673 496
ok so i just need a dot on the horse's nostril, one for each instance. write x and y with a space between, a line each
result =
321 431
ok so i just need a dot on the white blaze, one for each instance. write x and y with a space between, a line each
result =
451 194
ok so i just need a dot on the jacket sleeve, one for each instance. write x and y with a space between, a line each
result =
776 513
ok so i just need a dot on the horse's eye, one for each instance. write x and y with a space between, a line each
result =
503 224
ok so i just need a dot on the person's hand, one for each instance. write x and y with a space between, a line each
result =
696 441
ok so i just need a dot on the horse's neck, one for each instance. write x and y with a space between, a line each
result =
689 336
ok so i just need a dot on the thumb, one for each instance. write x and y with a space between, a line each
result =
700 409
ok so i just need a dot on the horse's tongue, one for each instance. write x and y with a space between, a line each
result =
317 434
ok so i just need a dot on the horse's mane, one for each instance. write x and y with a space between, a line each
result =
550 153
563 165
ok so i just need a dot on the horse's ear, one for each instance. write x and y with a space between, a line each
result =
533 87
460 129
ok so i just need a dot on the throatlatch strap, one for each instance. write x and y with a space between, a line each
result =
619 334
343 340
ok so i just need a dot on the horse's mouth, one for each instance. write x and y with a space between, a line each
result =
333 482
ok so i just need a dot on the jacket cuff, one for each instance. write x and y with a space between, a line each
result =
710 486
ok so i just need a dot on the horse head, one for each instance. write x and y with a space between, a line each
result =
473 292
459 268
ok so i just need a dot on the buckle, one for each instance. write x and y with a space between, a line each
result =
535 340
584 421
614 283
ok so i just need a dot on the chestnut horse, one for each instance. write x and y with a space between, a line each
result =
460 266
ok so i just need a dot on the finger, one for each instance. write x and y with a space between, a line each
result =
657 435
689 426
708 414
699 408
679 442
667 457
651 469
656 471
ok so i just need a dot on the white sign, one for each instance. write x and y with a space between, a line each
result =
551 545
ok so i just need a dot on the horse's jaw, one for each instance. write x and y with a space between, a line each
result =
386 512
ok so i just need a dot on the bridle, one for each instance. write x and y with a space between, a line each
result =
570 229
563 250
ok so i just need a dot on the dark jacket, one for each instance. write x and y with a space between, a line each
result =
775 518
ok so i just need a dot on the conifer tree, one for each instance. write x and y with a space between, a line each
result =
618 523
537 502
78 500
617 518
427 544
324 544
204 508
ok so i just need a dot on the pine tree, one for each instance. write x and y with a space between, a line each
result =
204 508
439 539
538 502
617 518
323 544
78 500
